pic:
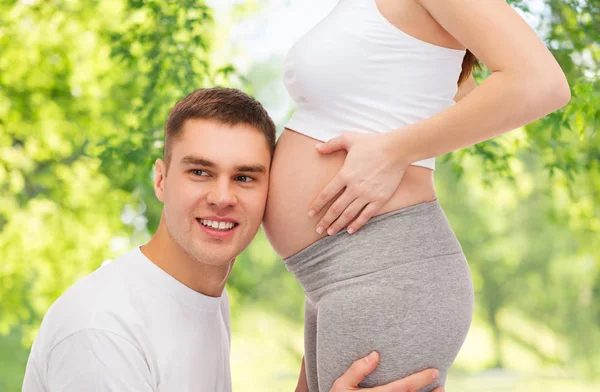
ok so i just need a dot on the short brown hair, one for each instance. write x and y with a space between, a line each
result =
225 105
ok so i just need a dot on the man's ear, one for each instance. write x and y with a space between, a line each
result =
160 173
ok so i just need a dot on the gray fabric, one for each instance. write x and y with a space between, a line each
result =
400 285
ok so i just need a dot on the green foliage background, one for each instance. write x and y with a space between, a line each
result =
85 87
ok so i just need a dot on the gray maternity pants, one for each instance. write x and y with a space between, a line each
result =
400 285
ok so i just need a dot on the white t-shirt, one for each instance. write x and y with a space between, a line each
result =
130 326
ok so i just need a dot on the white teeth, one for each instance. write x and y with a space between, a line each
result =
217 225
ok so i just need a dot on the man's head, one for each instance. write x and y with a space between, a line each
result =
213 181
224 105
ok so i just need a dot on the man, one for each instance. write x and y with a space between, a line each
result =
157 318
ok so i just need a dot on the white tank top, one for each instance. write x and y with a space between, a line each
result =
355 71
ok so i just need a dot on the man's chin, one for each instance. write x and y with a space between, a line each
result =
217 257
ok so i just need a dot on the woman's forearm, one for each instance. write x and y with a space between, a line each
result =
498 105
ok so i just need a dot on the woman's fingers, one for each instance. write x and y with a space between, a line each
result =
347 208
336 144
349 214
369 211
371 173
327 194
341 212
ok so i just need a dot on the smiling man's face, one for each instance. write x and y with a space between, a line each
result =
214 189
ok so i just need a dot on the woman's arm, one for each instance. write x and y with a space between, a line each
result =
526 83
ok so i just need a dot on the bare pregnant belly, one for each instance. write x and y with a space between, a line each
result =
299 173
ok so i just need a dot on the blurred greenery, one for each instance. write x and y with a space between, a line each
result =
85 87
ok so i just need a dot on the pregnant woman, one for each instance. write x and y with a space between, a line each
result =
382 88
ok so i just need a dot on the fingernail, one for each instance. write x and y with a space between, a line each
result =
319 144
370 357
350 230
436 374
311 213
330 231
320 230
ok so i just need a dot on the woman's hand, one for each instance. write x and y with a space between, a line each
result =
371 174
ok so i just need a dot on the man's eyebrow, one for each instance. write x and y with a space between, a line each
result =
192 160
251 169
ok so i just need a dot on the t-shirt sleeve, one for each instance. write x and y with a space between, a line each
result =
97 360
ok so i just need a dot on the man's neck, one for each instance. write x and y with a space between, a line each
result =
163 251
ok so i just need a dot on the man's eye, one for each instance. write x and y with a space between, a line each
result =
199 173
244 178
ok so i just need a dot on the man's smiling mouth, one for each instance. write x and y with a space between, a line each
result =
217 225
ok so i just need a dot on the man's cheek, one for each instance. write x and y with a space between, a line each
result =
259 211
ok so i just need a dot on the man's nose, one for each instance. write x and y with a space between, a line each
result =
222 195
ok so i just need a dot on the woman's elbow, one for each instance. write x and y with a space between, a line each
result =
561 92
546 93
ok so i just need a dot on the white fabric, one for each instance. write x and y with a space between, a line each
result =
355 71
129 326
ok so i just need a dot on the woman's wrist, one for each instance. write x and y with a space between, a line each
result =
397 147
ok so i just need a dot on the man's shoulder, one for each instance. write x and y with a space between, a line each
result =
99 301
